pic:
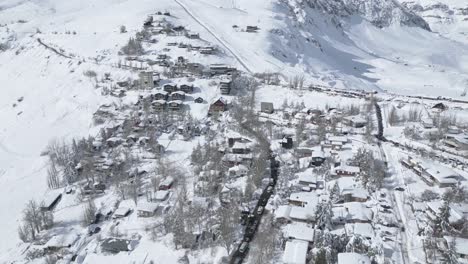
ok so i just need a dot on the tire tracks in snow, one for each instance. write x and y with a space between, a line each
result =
226 46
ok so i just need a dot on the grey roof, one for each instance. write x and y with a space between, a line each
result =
117 245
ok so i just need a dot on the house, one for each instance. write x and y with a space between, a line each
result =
238 171
114 142
353 258
218 106
458 142
161 195
304 214
166 184
295 252
441 175
174 105
61 241
241 148
355 121
186 88
460 246
121 212
281 214
303 152
267 107
364 230
160 95
191 35
299 231
308 179
50 201
345 170
116 245
303 198
453 130
207 50
427 123
287 142
219 69
354 195
458 212
170 87
251 29
146 209
225 86
198 100
159 105
146 79
353 212
178 95
318 157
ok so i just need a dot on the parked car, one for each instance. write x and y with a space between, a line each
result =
244 247
260 210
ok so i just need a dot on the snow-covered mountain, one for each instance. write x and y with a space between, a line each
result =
381 13
350 44
449 17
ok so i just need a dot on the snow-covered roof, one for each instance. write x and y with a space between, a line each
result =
282 211
355 119
168 181
441 173
461 244
50 197
175 102
147 207
240 145
62 240
362 229
353 258
302 213
295 252
341 139
305 197
347 168
122 211
356 192
353 211
307 178
299 231
161 195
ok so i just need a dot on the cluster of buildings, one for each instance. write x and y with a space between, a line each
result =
433 173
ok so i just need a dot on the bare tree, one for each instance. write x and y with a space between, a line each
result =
53 176
228 218
89 213
393 117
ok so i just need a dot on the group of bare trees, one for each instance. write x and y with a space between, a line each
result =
34 220
372 170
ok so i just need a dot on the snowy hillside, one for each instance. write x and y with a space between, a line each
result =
59 59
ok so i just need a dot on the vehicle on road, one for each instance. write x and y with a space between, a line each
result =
400 189
260 210
244 246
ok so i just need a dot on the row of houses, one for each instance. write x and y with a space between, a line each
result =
432 173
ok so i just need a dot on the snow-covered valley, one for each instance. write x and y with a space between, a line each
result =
62 61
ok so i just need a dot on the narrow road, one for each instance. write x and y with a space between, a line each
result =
404 245
226 46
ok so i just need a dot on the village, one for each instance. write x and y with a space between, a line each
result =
197 161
